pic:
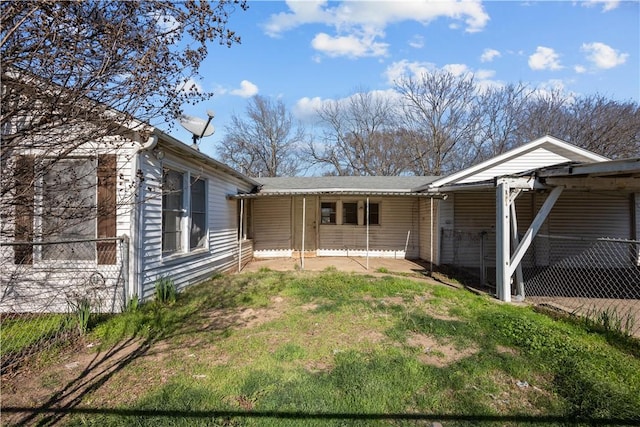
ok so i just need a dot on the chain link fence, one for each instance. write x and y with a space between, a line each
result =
51 291
595 278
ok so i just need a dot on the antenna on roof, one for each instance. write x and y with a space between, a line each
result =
198 127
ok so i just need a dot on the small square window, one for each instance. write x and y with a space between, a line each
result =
350 213
328 213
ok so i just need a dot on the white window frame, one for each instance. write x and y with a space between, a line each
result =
186 219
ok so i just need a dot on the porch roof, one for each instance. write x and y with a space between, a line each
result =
395 186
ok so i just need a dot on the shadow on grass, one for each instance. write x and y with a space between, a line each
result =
284 415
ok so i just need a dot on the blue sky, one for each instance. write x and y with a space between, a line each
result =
308 52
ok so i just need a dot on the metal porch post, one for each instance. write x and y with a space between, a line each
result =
304 226
368 232
240 236
503 249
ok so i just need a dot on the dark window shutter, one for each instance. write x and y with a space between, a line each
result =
24 192
106 208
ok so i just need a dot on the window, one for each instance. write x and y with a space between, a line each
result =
74 199
374 214
350 213
172 211
184 207
69 209
328 213
198 214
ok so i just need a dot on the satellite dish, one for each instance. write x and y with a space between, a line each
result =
198 127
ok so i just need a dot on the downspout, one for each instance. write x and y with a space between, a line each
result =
137 224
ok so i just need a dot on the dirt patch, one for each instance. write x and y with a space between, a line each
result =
67 382
518 394
438 353
222 319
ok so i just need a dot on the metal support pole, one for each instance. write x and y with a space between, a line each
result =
240 230
503 248
304 218
368 233
431 238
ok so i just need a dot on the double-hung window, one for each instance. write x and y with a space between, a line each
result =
184 202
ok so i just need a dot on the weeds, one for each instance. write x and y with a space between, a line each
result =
610 320
165 290
81 309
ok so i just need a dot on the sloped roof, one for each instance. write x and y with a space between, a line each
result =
345 183
542 152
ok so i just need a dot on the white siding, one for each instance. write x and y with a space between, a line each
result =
429 236
222 219
534 159
399 229
49 286
272 226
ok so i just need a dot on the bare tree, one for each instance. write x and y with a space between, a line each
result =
440 116
594 122
361 137
501 112
70 63
265 143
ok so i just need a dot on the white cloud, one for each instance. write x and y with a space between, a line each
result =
405 68
545 58
489 55
306 109
607 5
189 85
484 74
457 69
351 46
417 42
400 69
580 69
359 26
246 90
603 56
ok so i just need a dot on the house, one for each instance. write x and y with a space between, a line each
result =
147 208
156 208
340 216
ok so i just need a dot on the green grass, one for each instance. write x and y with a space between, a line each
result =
298 348
21 332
